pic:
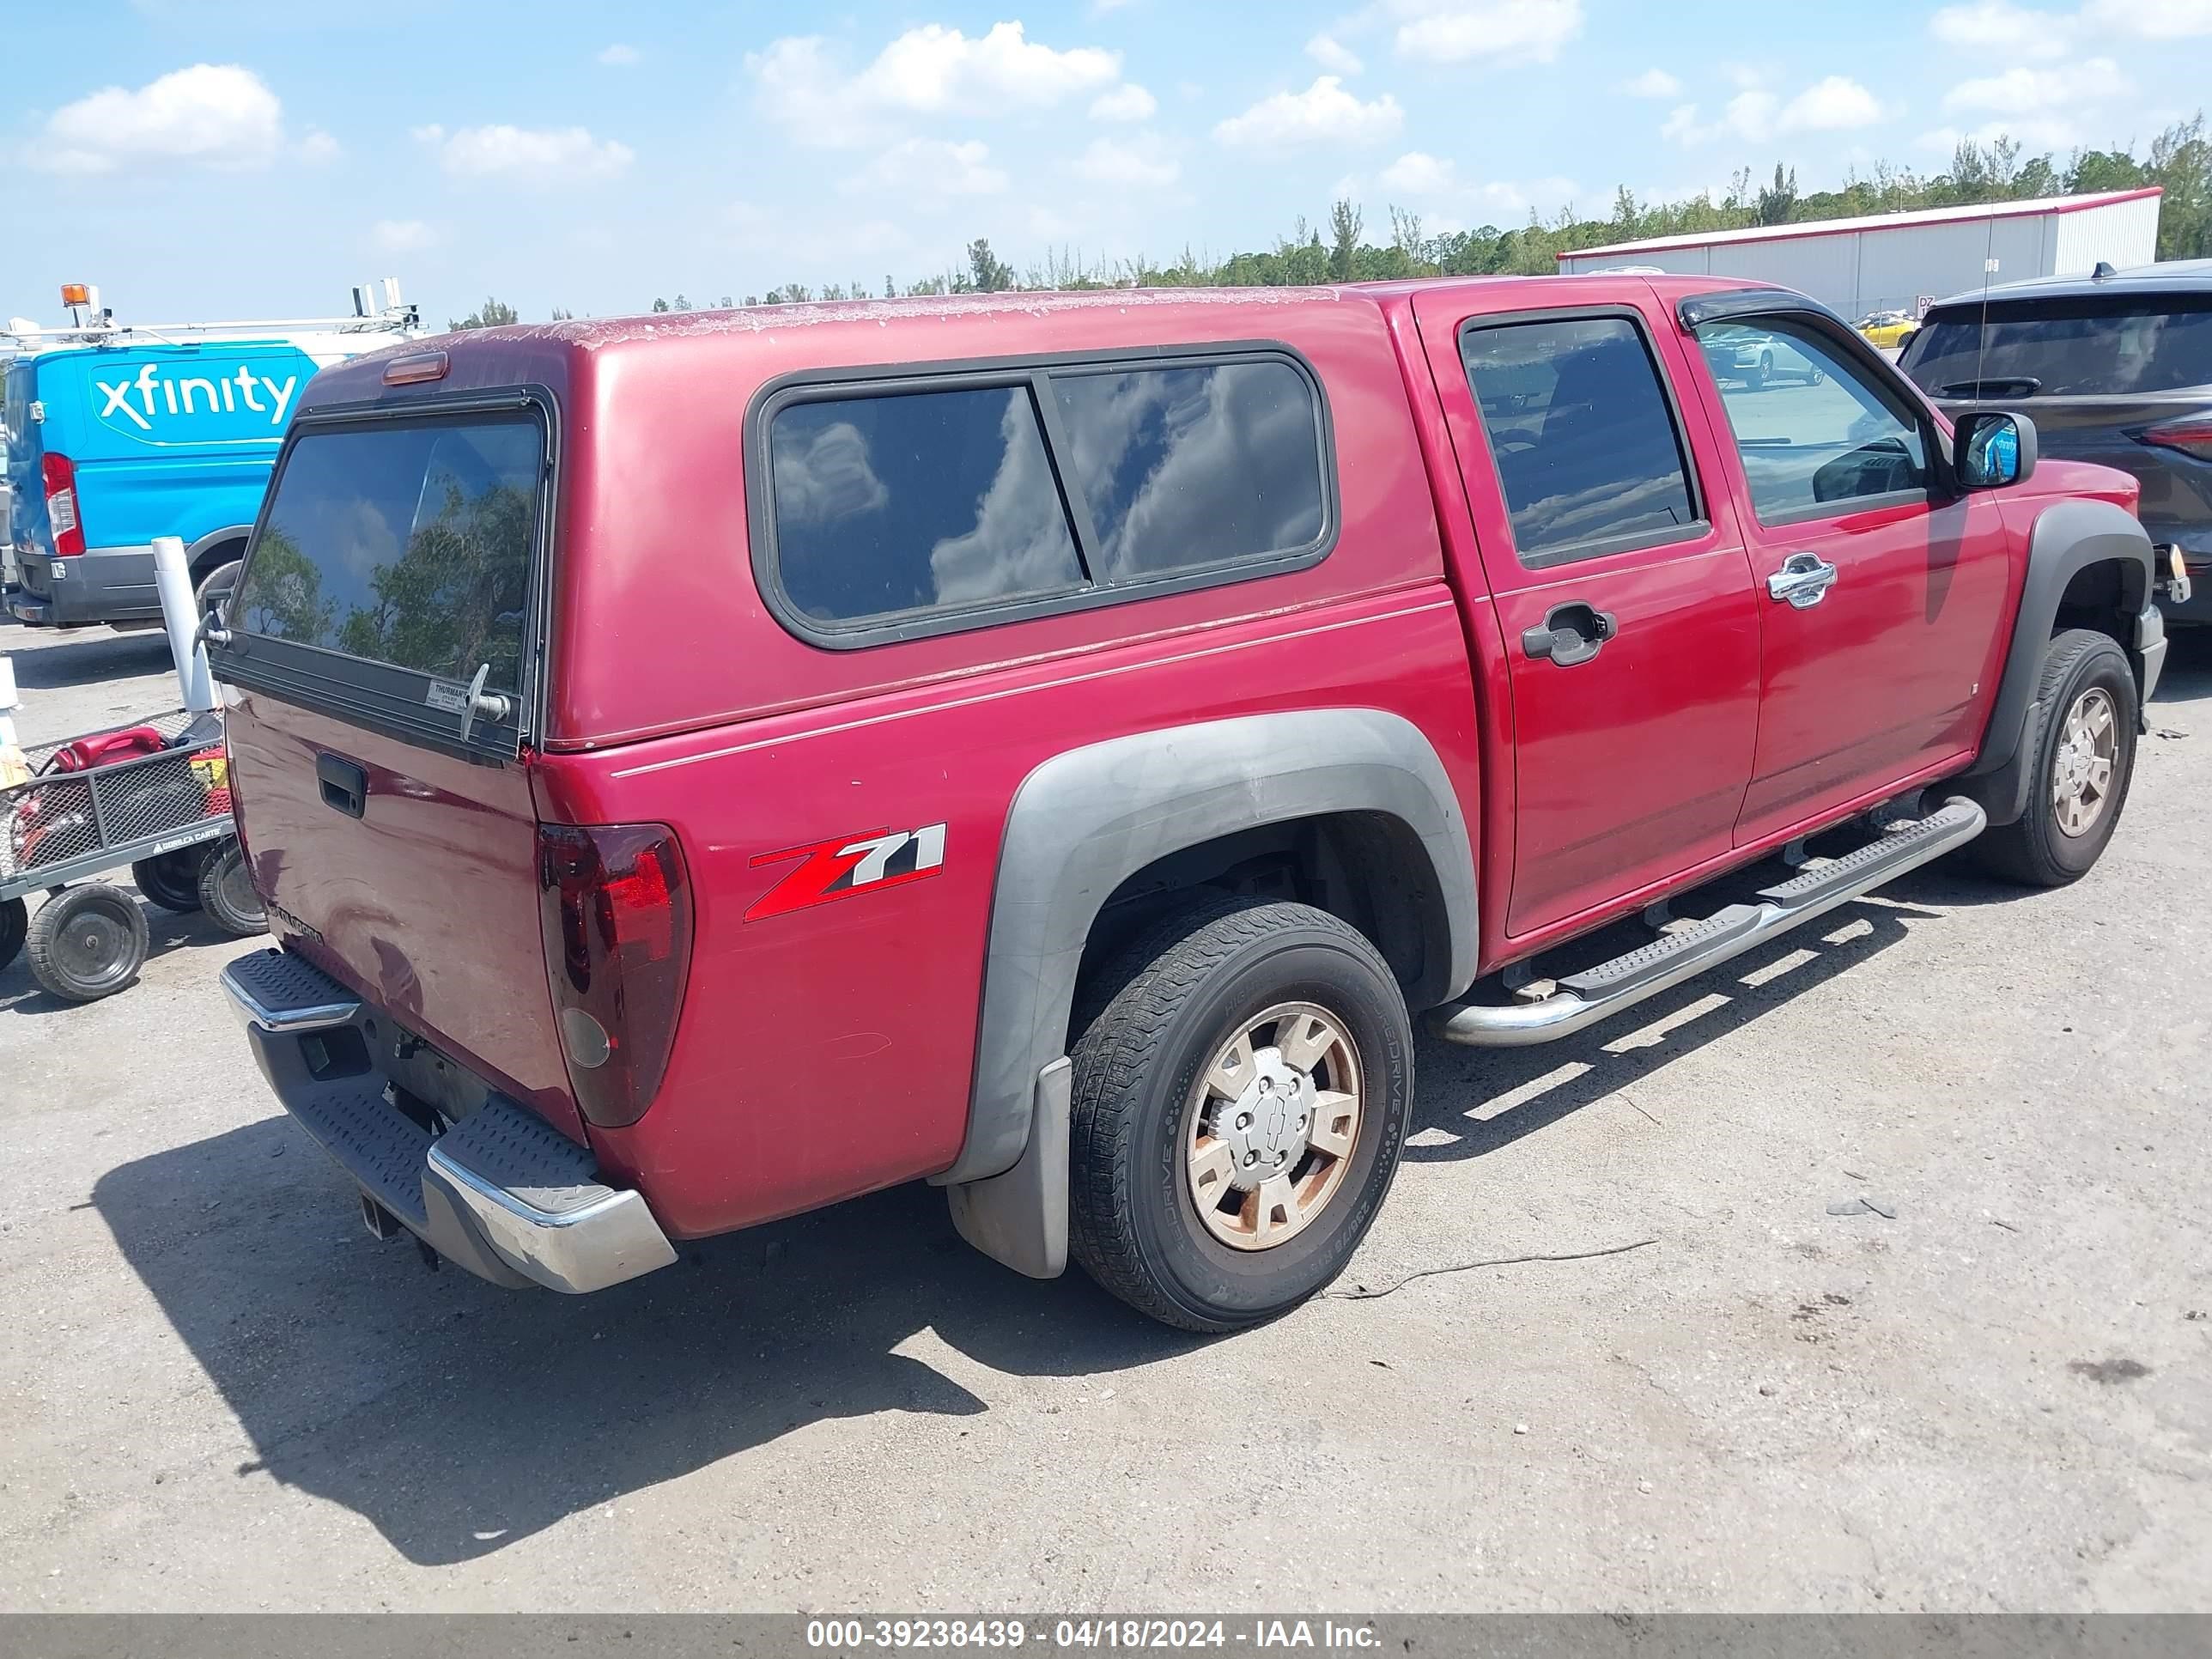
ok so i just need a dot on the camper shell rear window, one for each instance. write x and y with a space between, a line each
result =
395 571
896 504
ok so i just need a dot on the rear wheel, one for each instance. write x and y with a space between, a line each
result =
1241 1101
172 880
87 942
14 922
2084 756
226 891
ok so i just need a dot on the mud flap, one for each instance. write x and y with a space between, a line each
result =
1020 1218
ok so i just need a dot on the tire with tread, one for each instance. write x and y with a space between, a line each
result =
87 942
217 585
172 880
2034 852
14 924
1145 1026
226 891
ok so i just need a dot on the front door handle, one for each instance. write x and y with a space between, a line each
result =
1803 581
1573 633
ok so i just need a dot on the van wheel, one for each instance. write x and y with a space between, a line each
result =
216 586
87 942
1241 1101
226 891
14 922
172 880
2083 760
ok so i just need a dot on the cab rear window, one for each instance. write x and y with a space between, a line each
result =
406 545
918 504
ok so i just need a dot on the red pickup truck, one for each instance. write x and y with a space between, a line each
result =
703 768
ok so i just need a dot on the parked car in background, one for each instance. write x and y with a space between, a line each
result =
2116 369
1886 329
698 774
118 432
1756 360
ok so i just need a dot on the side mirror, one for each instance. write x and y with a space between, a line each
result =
1992 448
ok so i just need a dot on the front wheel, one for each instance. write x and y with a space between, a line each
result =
217 586
172 880
1241 1101
14 923
2083 757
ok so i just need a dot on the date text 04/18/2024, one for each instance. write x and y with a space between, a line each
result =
1090 1634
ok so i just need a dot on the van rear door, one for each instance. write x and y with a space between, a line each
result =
381 656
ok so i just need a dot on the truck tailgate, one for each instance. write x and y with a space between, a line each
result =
426 904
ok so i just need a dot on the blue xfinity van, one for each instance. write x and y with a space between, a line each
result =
116 434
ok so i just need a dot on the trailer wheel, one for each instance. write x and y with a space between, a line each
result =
14 922
87 942
172 880
226 891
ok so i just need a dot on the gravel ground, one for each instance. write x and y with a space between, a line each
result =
220 1393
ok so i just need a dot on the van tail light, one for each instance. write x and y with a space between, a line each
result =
60 475
2191 434
615 909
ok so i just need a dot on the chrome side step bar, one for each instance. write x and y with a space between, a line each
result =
1586 998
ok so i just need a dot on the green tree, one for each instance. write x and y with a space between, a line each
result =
1344 223
492 314
987 272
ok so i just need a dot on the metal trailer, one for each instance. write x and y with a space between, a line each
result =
165 815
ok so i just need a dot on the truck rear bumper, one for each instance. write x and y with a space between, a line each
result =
501 1193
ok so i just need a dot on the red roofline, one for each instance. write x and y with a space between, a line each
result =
1825 227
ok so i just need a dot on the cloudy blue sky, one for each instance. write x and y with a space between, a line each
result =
201 158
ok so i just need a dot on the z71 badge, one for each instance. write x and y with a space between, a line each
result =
847 866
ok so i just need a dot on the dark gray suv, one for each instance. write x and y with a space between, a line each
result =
2115 369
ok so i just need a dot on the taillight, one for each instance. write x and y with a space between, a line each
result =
2191 434
615 908
60 475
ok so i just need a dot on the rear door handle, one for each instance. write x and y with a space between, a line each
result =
344 785
1573 633
1803 581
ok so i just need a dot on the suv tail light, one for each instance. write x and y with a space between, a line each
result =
59 473
2191 434
615 908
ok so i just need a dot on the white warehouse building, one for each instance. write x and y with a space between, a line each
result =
1893 261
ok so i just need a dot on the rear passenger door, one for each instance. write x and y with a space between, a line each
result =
1632 640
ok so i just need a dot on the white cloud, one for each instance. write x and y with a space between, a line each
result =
930 70
1324 113
1419 174
1331 55
401 236
1453 30
2023 91
538 155
1140 162
1833 105
1654 84
219 115
2153 20
2002 28
1127 102
1756 114
931 168
618 56
318 147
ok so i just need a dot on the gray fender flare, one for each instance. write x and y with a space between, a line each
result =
2068 537
1086 820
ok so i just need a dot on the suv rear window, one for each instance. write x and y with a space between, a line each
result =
404 545
2084 346
942 502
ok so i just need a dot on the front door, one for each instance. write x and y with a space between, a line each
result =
1877 586
1630 635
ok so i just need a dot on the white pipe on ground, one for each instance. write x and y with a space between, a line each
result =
181 614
